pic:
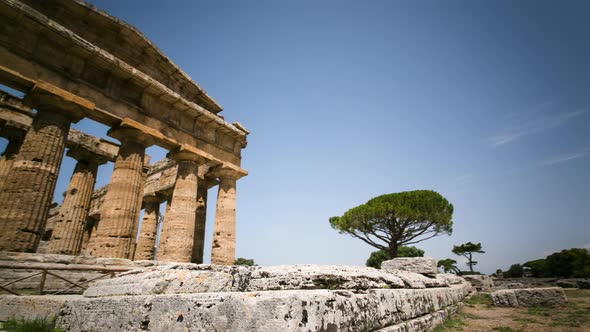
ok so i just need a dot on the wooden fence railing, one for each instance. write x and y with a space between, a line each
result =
52 270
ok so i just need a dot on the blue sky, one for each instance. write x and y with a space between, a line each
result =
485 102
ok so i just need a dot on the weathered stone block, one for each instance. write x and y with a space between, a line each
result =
31 307
422 265
192 278
294 310
480 282
527 297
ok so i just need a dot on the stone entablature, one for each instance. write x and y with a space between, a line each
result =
37 49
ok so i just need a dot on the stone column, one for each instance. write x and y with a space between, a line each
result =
9 155
28 188
149 228
120 211
69 230
176 243
200 222
223 250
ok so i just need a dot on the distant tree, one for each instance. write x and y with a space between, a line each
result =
570 263
515 271
467 250
244 261
379 256
390 221
448 265
499 273
537 268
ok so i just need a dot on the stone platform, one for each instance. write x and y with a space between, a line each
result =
190 297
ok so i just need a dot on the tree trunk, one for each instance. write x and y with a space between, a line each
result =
471 262
392 250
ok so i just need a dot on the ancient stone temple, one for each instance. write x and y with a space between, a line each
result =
72 61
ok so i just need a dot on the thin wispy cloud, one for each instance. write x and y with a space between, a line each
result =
565 157
529 123
464 179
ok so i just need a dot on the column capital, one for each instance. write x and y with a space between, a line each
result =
128 134
185 153
46 97
152 198
84 155
226 172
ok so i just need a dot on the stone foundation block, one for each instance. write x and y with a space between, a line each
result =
422 265
294 310
527 297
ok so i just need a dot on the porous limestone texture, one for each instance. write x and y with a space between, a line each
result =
423 323
422 265
480 282
26 194
291 310
527 297
32 307
192 278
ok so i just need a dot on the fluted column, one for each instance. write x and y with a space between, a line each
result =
29 186
200 222
148 229
176 243
223 249
8 157
120 211
69 229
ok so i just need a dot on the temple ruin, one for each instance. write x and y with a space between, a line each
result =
72 61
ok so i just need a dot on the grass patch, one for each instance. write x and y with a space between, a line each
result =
480 299
538 311
577 293
505 329
472 316
525 320
574 317
30 325
454 323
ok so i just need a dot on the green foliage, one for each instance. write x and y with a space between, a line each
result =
244 261
467 250
390 221
571 263
409 251
376 258
379 256
30 325
515 271
448 265
537 268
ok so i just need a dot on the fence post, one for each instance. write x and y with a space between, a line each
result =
42 283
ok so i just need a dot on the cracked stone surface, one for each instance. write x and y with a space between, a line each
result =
192 278
422 265
527 297
285 310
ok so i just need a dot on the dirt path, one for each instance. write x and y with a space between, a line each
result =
479 315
